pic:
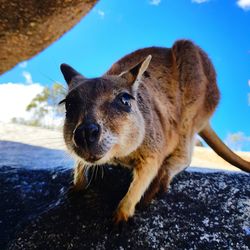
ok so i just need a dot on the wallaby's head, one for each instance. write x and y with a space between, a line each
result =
103 119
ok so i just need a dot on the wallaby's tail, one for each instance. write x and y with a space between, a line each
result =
212 139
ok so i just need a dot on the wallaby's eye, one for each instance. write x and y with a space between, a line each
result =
122 102
68 105
125 99
71 109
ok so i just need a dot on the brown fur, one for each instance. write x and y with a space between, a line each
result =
175 95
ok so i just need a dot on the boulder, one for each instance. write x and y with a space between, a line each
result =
27 27
200 211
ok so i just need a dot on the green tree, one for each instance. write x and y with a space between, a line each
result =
46 103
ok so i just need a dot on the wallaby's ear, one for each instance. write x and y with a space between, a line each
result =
69 73
133 75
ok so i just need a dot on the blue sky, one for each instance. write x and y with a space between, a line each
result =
114 28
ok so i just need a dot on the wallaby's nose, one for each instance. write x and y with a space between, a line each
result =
92 132
87 133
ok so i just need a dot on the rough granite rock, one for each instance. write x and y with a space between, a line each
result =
200 211
27 27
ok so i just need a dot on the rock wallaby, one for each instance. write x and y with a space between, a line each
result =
144 113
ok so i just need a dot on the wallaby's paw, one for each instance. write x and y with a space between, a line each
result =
123 212
120 217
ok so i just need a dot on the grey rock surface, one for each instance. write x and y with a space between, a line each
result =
22 155
200 211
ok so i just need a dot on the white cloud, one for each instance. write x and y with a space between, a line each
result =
244 4
27 76
155 2
23 64
238 141
101 13
200 1
15 97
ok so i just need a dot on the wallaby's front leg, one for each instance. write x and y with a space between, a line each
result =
80 180
143 174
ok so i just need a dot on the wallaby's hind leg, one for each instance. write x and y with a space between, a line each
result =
171 166
159 184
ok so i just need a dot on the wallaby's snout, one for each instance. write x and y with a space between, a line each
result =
87 134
